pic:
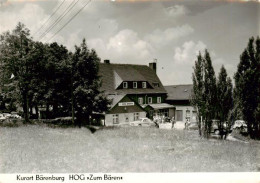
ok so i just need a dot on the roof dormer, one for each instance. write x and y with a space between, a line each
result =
125 85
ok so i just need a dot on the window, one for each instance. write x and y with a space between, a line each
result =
115 119
194 116
126 119
150 100
164 112
124 84
140 101
135 85
156 84
159 100
136 116
187 113
179 115
144 84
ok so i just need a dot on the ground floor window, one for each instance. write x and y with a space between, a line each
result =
115 119
188 115
126 119
161 113
136 116
164 112
179 115
194 116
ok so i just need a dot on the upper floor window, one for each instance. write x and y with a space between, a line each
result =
144 84
134 84
125 85
150 100
159 100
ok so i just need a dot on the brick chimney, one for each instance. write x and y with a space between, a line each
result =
107 61
153 64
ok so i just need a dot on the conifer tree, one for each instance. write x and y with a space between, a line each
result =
209 93
204 89
247 86
197 96
224 99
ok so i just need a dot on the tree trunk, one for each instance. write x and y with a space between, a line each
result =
47 111
87 121
37 112
79 117
72 110
26 107
55 110
199 124
31 111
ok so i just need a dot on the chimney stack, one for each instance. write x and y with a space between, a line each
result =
107 61
153 64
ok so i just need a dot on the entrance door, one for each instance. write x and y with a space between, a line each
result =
179 115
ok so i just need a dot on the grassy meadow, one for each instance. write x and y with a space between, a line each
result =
38 148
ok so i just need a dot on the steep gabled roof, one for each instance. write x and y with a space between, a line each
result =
115 99
116 108
179 92
112 74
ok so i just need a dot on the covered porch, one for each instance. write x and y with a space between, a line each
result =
161 110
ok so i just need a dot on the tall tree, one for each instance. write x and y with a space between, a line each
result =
224 98
247 86
86 96
204 89
197 96
15 47
209 93
57 78
37 84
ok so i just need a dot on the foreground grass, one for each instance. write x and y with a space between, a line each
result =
37 148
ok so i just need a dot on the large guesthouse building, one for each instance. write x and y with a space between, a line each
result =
135 92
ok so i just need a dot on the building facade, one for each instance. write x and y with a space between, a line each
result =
123 110
131 88
179 96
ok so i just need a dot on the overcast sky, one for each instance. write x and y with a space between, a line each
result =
136 32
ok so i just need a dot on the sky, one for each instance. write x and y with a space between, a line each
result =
140 31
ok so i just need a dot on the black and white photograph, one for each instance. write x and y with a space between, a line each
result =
129 86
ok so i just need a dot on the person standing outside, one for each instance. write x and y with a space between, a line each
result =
173 121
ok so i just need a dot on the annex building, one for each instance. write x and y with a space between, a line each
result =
179 96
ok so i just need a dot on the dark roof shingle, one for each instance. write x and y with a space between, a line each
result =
179 92
128 72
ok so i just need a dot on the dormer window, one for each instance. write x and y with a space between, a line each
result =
144 84
134 84
125 85
156 84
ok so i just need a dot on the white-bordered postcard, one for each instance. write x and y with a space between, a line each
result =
129 90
